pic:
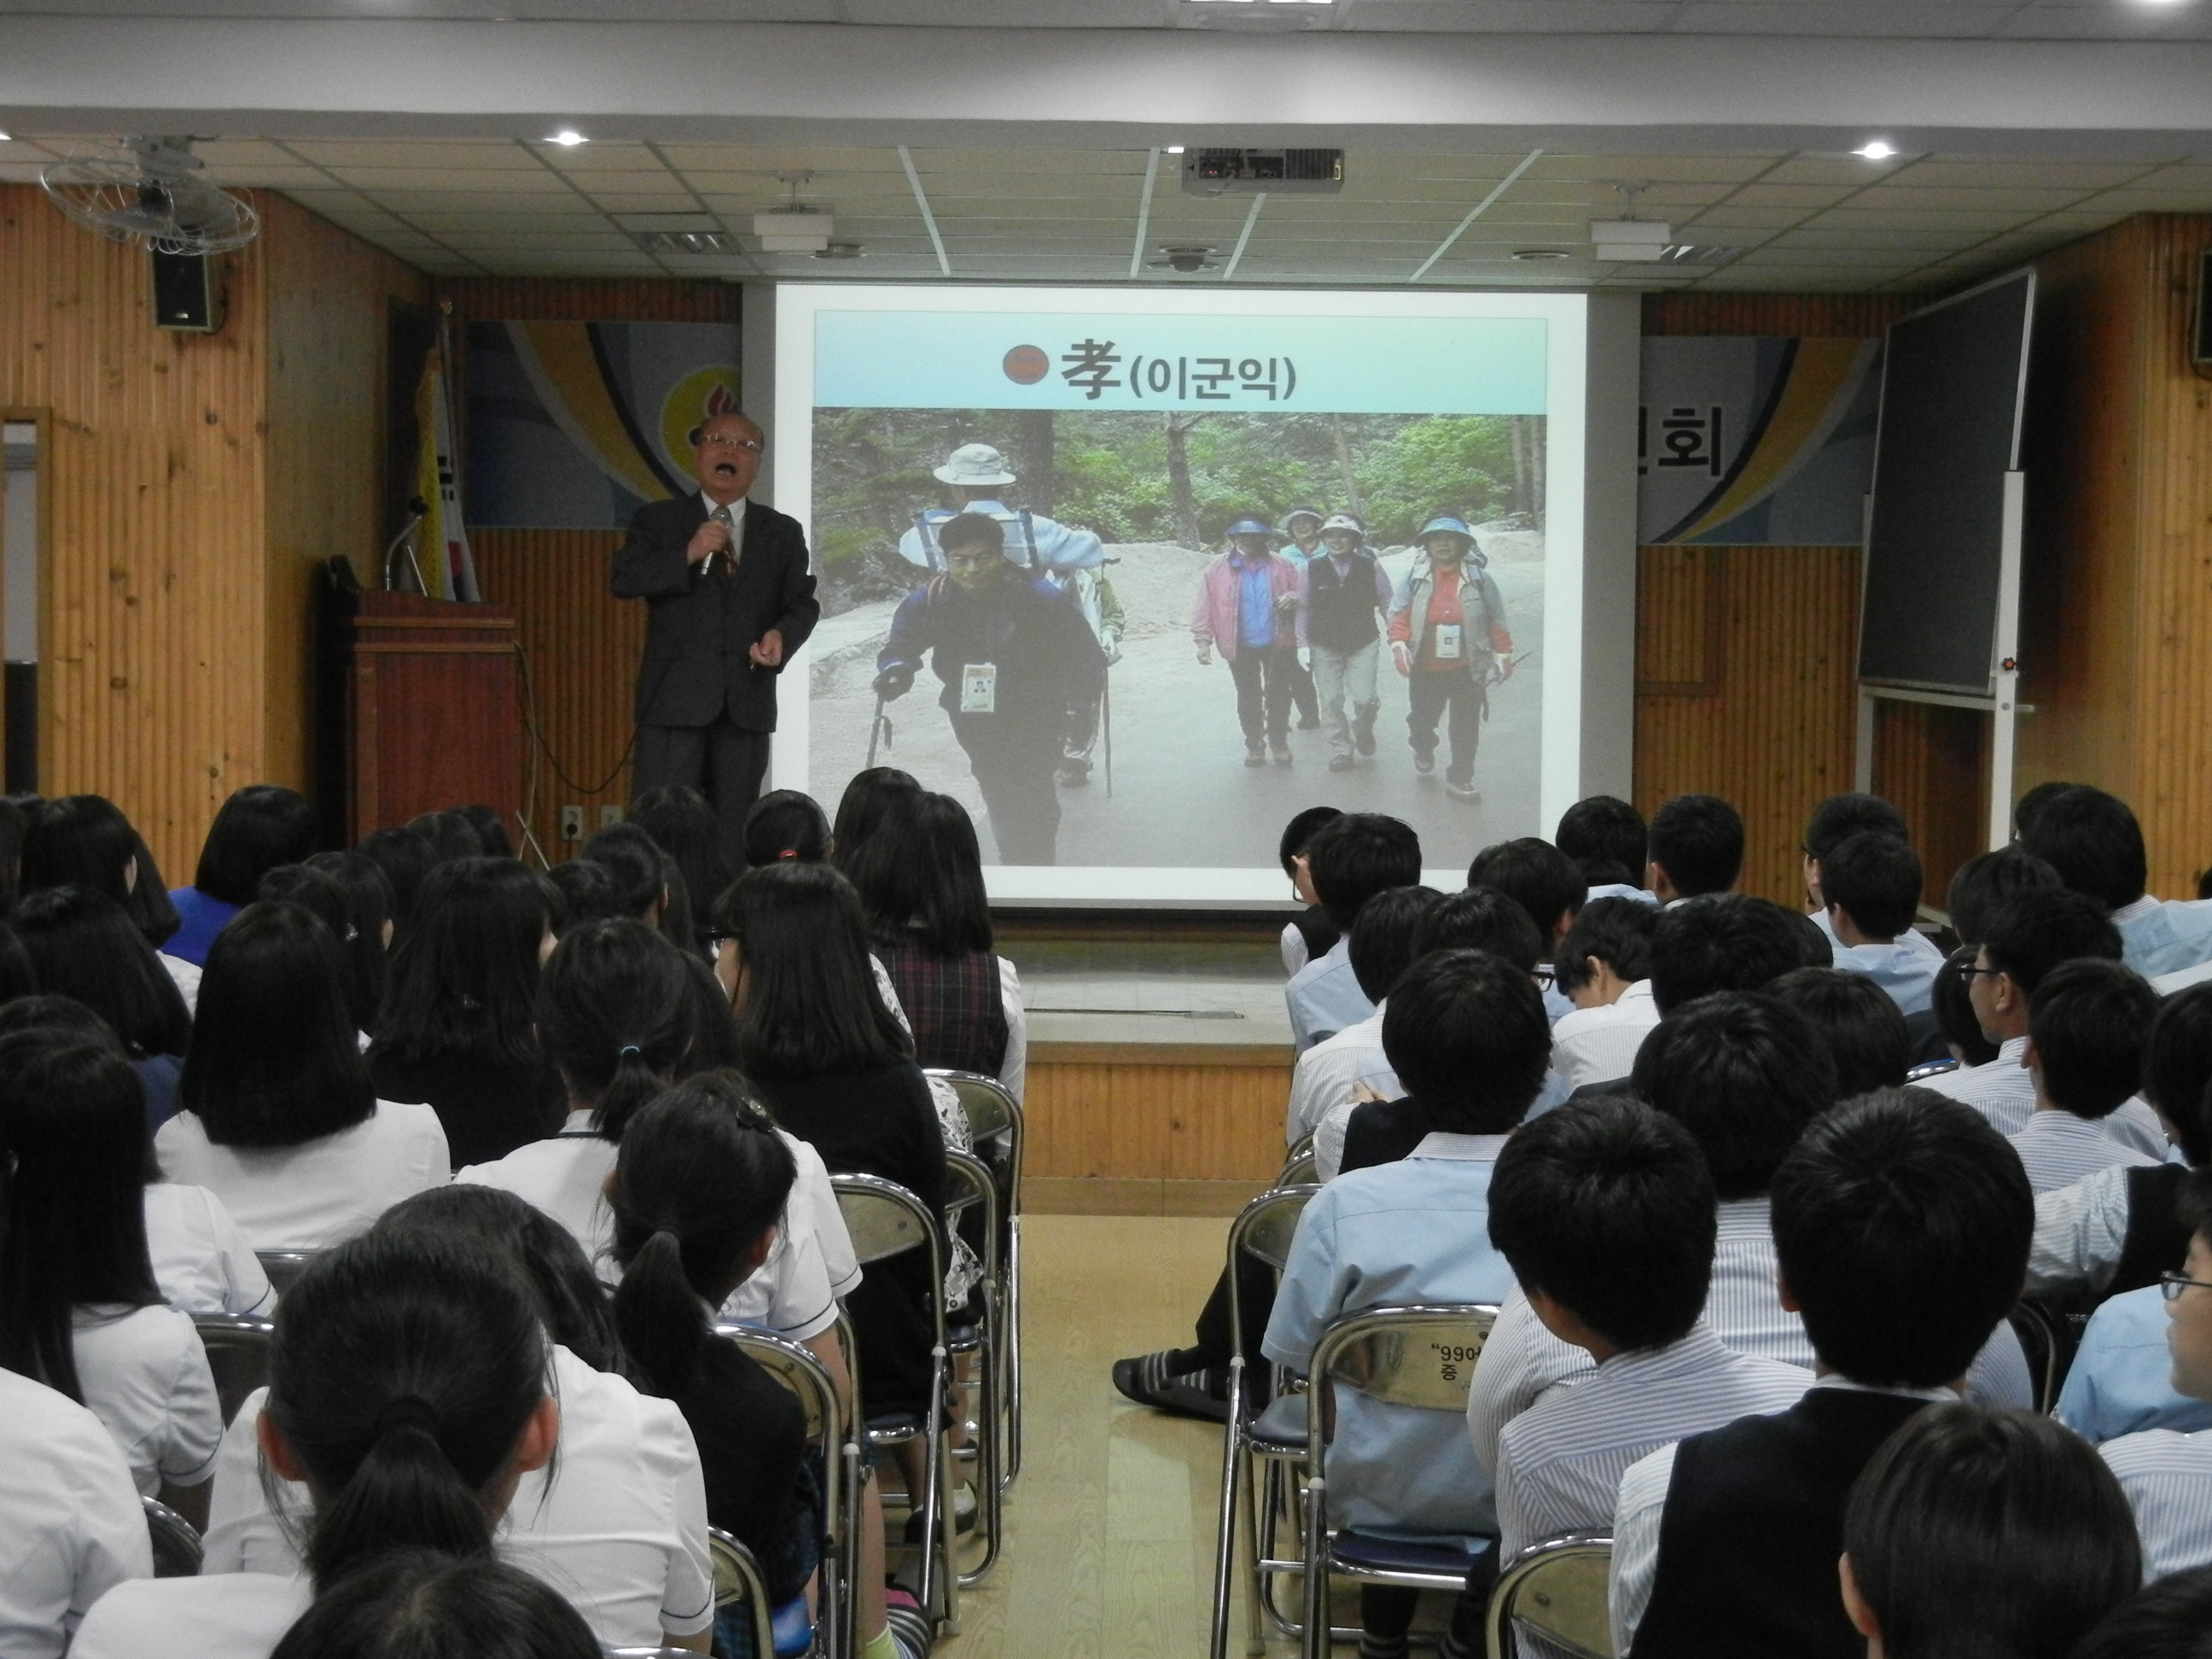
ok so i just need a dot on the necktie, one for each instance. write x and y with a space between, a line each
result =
725 562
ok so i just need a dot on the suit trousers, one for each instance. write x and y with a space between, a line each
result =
723 761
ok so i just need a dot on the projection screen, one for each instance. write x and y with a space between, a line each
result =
1115 439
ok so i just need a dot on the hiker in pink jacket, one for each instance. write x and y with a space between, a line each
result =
1248 601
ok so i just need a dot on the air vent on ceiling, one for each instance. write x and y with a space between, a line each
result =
685 241
1249 172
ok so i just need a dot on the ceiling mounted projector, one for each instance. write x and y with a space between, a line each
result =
795 230
1630 240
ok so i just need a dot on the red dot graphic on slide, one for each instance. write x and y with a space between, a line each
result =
1026 365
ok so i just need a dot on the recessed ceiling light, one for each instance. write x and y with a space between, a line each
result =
567 139
1876 150
1174 149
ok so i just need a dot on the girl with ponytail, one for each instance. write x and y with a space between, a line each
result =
615 1017
699 1190
408 1389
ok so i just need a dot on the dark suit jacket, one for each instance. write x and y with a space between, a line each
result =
699 628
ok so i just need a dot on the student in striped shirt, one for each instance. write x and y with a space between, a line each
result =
2087 1025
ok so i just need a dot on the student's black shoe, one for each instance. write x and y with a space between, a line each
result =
1282 754
1424 761
1147 1380
1341 762
964 1515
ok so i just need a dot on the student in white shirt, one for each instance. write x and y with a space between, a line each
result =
70 1525
411 1603
1980 1532
1353 857
409 1390
1859 1024
2024 938
280 1120
83 947
85 840
1603 966
79 1309
2088 1023
621 1531
1696 845
1329 1075
1604 837
1835 820
1310 934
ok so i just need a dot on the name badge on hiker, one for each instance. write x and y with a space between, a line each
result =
979 688
1448 647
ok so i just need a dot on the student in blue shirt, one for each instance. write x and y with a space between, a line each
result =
2093 841
1468 1034
1870 882
1350 859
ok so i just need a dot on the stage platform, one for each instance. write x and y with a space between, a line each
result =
1159 1065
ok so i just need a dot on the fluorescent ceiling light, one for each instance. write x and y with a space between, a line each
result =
567 139
6 136
1173 149
1876 150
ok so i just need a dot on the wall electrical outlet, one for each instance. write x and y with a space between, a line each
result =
610 817
572 823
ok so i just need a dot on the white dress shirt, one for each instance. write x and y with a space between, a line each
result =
2080 1232
1559 1463
1598 1045
202 1262
2001 1091
1641 1505
71 1526
2058 1149
227 1616
794 1292
1013 1070
620 1529
2168 1479
321 1192
736 511
1329 1073
145 1377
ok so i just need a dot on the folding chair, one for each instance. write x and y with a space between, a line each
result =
177 1549
1263 1230
969 1185
1552 1600
829 1427
995 1125
238 1353
1298 1167
2048 1345
1932 1068
1421 1356
886 1220
285 1267
737 1579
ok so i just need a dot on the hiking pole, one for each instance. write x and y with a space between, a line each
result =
1106 720
876 729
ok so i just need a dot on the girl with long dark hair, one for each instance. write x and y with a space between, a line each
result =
921 886
280 1120
458 1028
82 944
408 1390
622 1531
702 1182
79 1309
259 828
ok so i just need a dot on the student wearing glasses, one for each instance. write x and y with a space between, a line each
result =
730 597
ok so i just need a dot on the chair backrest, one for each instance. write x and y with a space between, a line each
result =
806 1376
1422 1356
739 1579
968 1181
1933 1068
1262 1230
2048 1348
285 1267
1555 1593
177 1549
1299 1169
238 1353
990 1105
883 1219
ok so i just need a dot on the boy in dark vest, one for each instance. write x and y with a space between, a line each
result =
1901 1226
1342 593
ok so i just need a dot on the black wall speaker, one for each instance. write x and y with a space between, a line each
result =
2200 336
187 293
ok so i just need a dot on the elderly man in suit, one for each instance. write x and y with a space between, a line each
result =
730 597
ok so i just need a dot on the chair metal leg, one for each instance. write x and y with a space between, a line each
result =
1224 1539
843 1641
937 1473
1316 1636
1280 1501
1013 1347
933 1443
1256 1634
989 1494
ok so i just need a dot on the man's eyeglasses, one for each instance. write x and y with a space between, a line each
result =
2171 1286
1967 971
726 441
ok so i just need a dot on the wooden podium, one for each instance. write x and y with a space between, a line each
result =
436 710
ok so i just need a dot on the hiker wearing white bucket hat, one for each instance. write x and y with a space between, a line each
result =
1340 593
978 477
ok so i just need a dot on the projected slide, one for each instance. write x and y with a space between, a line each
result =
1138 576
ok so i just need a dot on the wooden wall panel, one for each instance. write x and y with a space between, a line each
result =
1216 1115
1745 656
152 689
2119 458
582 646
329 297
1933 763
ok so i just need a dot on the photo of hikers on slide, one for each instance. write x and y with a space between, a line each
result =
1127 634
